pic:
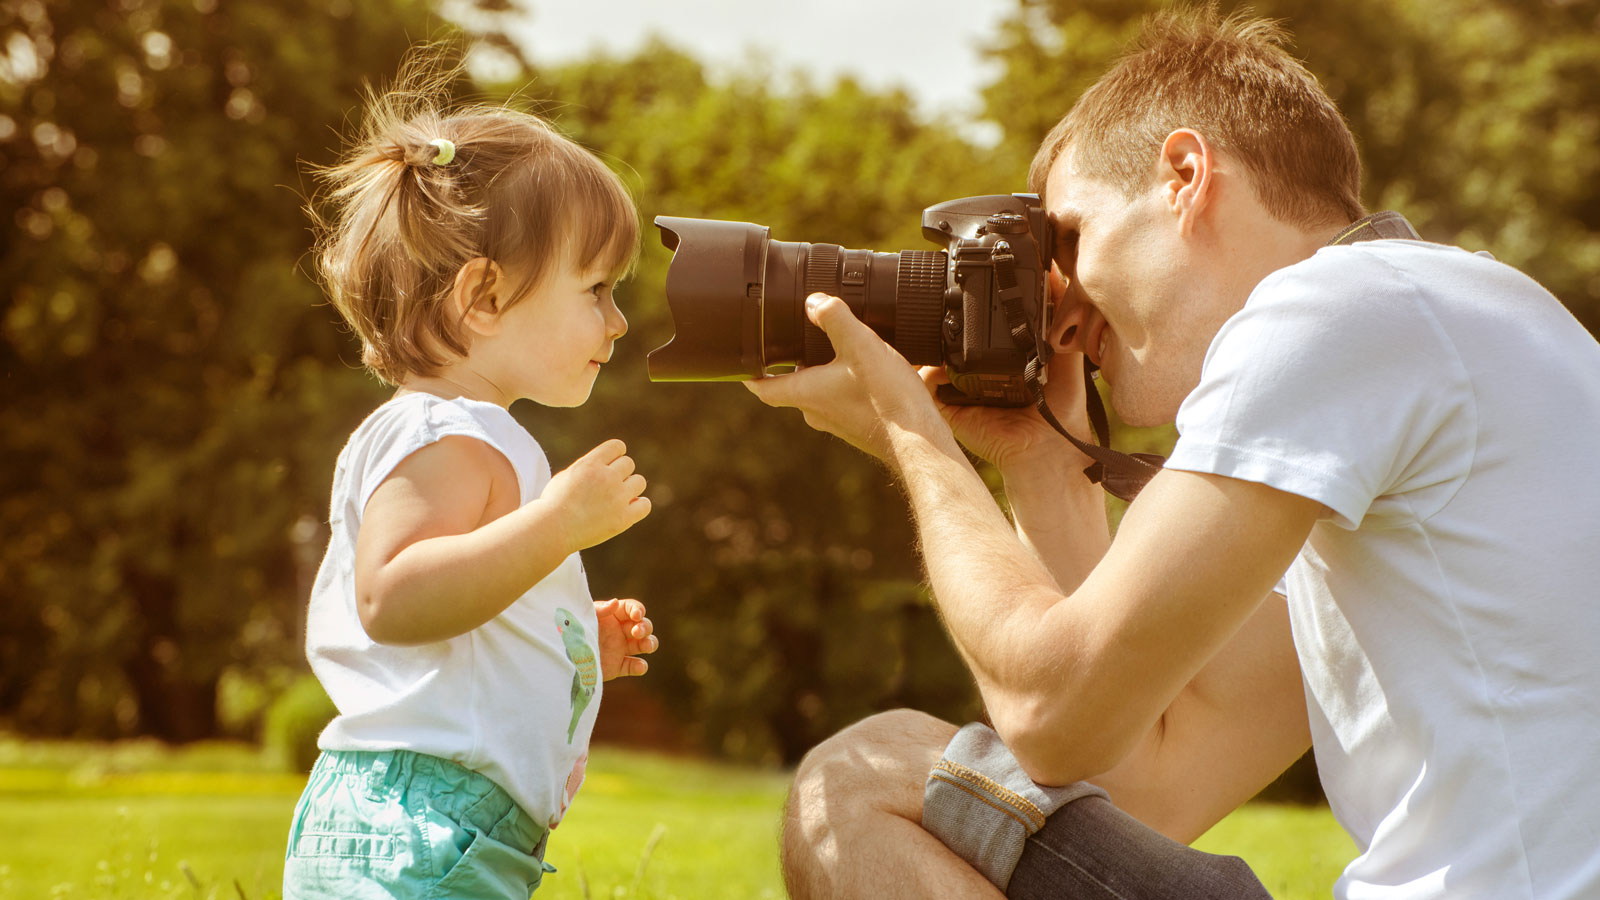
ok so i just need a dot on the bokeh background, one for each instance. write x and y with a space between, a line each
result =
175 388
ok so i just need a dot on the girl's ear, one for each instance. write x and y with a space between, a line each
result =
476 295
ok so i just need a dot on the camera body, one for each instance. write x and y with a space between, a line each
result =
980 306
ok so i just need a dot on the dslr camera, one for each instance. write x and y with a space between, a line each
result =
979 305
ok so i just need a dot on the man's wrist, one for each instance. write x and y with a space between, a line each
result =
1057 464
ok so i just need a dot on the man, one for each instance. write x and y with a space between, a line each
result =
1402 422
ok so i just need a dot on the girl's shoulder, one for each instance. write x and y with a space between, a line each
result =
420 418
408 422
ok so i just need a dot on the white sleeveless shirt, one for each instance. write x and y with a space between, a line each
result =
500 699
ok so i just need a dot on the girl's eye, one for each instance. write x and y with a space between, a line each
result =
598 288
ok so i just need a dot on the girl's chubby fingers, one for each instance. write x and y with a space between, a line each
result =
641 629
633 666
627 610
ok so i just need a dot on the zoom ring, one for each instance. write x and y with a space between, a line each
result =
919 306
822 275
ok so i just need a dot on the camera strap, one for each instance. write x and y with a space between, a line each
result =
1123 475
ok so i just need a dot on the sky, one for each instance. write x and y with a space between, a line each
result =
927 47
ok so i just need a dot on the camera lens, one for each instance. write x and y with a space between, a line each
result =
738 300
898 295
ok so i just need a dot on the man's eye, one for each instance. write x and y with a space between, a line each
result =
1066 249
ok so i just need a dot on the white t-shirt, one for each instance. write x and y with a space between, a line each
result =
499 699
1446 611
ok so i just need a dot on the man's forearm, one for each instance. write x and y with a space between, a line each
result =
989 587
1059 514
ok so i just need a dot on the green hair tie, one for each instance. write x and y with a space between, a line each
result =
447 151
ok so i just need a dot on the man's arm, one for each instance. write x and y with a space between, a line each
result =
1232 729
1074 681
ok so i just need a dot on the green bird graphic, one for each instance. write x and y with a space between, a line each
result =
582 656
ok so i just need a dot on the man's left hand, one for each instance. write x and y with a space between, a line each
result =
865 392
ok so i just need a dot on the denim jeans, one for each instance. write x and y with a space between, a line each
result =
1038 842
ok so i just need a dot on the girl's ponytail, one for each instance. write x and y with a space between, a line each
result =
425 189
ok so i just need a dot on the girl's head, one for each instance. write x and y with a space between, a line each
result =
443 221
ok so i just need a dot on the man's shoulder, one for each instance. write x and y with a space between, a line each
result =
1360 268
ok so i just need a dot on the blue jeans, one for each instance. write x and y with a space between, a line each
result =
1038 842
398 825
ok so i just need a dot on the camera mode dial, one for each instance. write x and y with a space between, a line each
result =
1007 223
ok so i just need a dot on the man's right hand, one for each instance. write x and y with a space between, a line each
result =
1013 436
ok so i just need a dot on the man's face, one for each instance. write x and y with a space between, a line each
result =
1128 273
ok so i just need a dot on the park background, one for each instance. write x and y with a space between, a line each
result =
176 389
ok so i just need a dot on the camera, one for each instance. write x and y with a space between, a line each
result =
979 306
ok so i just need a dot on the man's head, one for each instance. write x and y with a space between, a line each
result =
1204 159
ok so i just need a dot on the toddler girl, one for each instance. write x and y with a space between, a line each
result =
474 253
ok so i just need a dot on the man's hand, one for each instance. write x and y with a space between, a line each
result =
865 393
625 636
1010 436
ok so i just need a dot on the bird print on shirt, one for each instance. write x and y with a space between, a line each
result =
587 673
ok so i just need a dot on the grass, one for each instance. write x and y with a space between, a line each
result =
138 820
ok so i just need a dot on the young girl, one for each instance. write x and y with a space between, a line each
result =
474 254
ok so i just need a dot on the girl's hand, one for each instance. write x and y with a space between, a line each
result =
625 636
599 496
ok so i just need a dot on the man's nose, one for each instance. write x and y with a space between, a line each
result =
1071 321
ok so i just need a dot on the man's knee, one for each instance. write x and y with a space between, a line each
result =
879 761
876 766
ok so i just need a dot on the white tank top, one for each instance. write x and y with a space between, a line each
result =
516 697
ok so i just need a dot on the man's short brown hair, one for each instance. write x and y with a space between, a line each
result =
1231 80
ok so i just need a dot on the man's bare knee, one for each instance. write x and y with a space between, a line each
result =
876 767
878 762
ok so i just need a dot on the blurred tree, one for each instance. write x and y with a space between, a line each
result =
175 392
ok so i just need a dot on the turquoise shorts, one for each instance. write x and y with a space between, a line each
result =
399 825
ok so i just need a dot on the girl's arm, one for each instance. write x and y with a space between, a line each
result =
444 546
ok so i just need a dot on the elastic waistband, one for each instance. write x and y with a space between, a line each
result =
469 797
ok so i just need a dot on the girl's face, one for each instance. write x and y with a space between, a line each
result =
550 345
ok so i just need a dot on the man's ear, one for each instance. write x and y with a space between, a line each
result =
475 296
1184 173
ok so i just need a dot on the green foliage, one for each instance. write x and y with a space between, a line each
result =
177 390
293 723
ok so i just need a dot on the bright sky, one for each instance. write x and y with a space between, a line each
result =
927 47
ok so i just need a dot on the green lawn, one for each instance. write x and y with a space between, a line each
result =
139 821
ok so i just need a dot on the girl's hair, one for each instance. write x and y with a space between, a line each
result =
406 215
1232 81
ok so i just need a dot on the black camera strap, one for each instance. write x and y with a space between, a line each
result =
1123 475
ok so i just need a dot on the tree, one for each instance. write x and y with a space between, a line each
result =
176 391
